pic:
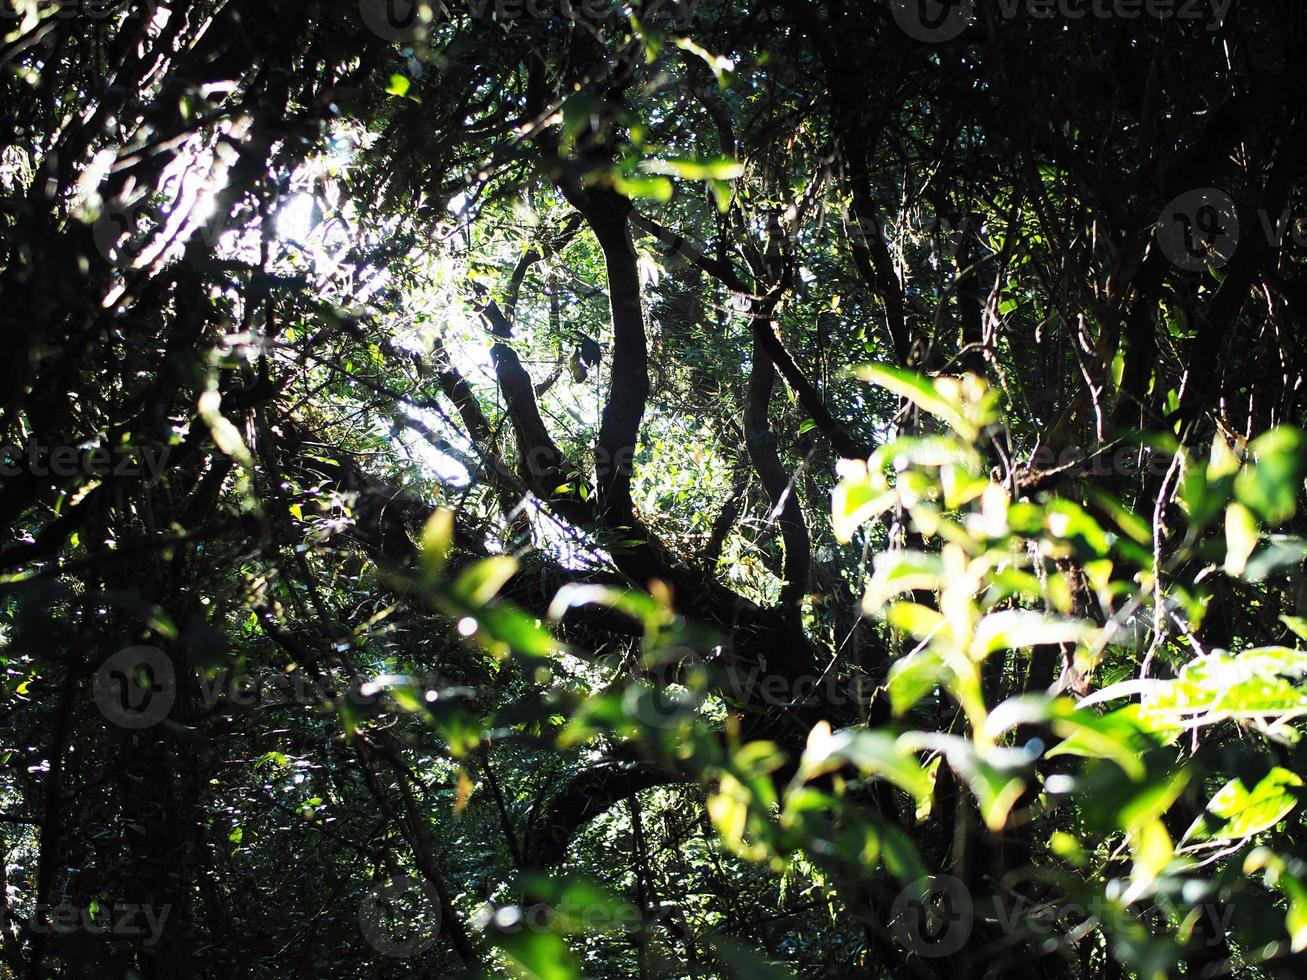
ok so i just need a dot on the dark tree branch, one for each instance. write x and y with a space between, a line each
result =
607 212
780 488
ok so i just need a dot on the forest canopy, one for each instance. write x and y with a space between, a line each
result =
671 488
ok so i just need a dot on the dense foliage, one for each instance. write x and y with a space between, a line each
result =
679 488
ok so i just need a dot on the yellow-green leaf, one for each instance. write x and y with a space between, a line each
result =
480 583
1243 813
1240 537
437 539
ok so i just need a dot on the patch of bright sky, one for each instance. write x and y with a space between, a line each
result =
435 462
434 308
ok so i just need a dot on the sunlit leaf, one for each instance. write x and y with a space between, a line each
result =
482 581
1017 629
437 538
996 781
721 168
920 621
398 85
1240 537
922 392
902 571
856 500
225 435
913 677
873 753
1241 812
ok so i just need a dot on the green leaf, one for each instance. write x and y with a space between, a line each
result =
1243 813
544 955
1264 661
1152 849
902 571
1241 532
722 194
901 857
515 629
922 392
719 168
658 188
1127 520
1118 735
721 66
408 698
580 905
872 752
1152 800
1278 875
437 539
1223 461
1205 489
928 451
482 582
996 780
1017 629
728 809
912 677
921 622
1297 624
1280 551
1072 523
856 500
1269 485
225 435
640 606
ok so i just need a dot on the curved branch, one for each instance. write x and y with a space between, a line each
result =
544 467
607 214
841 441
585 797
693 253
